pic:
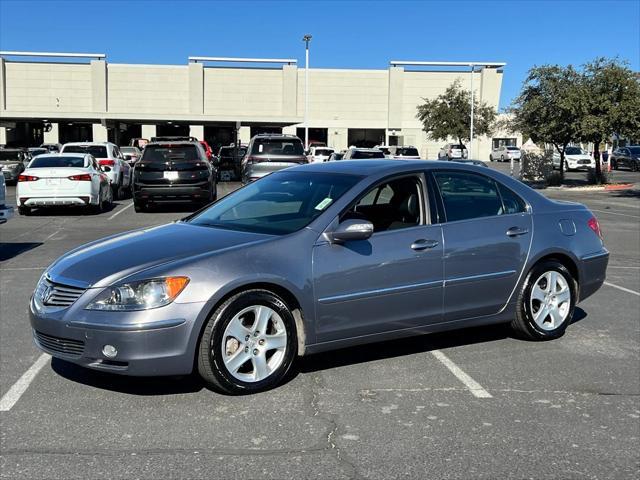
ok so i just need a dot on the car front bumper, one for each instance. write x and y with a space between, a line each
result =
164 345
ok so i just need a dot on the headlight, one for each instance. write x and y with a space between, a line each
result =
140 295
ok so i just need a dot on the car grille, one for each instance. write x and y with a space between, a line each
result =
584 162
56 294
66 346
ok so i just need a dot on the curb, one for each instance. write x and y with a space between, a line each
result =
622 186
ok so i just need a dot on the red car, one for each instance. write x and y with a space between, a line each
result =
207 149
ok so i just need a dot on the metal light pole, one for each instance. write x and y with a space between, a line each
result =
470 153
306 39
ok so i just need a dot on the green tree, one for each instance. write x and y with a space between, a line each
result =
548 109
610 104
449 115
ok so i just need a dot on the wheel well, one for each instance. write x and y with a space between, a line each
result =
565 260
288 297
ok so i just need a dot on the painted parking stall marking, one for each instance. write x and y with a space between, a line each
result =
633 292
474 387
17 389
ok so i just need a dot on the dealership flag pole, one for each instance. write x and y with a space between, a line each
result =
306 39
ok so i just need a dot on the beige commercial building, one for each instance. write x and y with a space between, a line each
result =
84 97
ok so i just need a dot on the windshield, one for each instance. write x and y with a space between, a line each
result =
573 151
278 204
635 150
46 161
167 153
367 154
11 155
277 146
98 151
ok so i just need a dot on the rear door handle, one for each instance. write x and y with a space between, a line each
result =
516 231
424 244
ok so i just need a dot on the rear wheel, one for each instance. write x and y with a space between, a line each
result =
139 206
545 302
248 344
26 211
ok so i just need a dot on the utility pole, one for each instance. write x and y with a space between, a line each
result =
306 39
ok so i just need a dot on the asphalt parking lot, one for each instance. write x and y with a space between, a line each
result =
476 403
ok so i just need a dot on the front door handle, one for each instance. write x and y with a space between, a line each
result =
424 244
516 231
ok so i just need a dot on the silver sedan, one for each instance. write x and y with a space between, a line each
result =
315 258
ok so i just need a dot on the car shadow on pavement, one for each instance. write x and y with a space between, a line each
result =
69 211
11 250
143 386
175 385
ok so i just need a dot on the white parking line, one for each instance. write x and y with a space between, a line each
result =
474 387
17 389
633 292
614 213
120 211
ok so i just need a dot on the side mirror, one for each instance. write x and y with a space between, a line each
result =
352 230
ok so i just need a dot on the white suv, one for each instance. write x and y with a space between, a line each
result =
452 150
110 159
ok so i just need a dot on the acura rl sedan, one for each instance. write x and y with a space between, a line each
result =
315 258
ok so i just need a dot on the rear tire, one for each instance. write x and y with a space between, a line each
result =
26 211
546 302
140 207
100 207
243 363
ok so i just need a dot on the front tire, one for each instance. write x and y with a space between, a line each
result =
546 302
248 344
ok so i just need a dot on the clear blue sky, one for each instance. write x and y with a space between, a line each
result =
345 34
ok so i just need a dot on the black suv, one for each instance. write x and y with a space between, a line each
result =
269 153
230 159
173 172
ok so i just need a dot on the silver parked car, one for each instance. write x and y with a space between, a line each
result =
453 150
269 153
315 258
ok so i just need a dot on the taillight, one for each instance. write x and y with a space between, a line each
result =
85 177
595 226
27 178
107 161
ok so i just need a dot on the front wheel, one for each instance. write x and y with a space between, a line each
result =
248 343
545 302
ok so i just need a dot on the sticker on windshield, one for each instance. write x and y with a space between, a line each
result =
324 204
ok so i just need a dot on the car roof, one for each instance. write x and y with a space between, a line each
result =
172 142
385 166
87 143
71 154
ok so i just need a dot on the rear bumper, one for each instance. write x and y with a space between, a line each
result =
593 272
11 175
172 193
54 201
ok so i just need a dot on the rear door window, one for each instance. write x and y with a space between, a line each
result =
468 195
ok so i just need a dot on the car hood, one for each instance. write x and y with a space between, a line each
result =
112 259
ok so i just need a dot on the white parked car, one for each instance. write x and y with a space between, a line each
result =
354 153
505 153
452 150
574 159
320 154
108 155
63 179
400 152
6 212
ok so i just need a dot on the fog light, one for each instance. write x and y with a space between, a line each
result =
109 351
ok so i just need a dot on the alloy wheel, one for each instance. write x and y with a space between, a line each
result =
550 300
254 343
